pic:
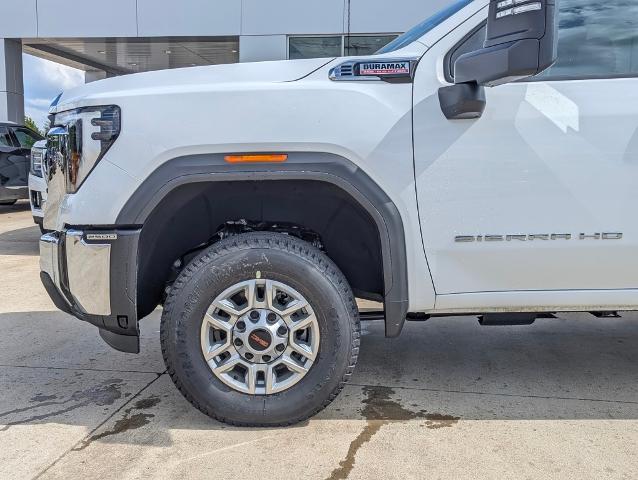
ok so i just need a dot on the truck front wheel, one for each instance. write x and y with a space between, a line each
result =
261 329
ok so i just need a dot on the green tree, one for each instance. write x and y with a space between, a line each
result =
30 123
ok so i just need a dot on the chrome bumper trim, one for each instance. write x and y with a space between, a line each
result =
87 267
49 245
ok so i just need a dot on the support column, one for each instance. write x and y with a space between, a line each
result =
94 76
11 86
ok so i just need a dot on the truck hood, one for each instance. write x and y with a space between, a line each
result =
186 78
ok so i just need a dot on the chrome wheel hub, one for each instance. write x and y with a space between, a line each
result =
260 337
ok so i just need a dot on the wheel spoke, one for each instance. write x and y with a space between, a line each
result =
303 350
229 364
224 302
301 324
270 378
219 324
251 379
217 349
292 365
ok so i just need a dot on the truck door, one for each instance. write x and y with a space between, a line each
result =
541 192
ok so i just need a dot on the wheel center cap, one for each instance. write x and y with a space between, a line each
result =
259 340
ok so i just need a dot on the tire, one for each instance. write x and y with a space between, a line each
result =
7 203
278 258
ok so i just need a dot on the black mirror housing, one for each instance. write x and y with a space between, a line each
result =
521 41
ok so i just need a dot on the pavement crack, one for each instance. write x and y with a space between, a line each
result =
380 409
81 369
514 395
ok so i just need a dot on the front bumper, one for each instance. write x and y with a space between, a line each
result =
92 274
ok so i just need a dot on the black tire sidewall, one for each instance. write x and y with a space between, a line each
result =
218 269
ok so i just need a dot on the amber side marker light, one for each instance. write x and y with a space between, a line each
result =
276 158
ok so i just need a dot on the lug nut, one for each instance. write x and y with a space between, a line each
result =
282 331
238 342
254 315
280 348
241 325
249 355
272 318
266 358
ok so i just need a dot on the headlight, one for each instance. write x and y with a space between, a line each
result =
37 154
81 138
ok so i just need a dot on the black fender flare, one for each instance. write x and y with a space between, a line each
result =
317 166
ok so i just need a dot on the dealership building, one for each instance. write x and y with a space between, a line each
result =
119 37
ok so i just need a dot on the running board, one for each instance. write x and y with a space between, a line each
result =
504 319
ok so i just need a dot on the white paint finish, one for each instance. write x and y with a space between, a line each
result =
188 18
290 17
18 19
525 167
528 167
396 16
539 301
260 48
368 123
87 18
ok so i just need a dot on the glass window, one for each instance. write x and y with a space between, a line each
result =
596 39
5 138
314 47
424 27
366 44
26 137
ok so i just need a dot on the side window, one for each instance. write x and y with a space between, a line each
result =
26 137
596 39
472 42
5 138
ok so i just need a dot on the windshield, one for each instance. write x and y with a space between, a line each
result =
424 27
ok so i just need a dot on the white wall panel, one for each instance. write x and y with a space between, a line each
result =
18 18
87 18
394 16
292 17
189 17
260 48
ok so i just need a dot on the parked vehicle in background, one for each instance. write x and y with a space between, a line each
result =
37 184
15 154
398 177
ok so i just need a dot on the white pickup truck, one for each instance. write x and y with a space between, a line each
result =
453 172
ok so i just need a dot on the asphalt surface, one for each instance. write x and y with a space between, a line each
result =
448 399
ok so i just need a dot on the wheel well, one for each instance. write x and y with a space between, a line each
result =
191 216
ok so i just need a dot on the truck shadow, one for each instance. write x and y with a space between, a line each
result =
440 373
23 241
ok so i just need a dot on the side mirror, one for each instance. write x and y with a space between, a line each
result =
521 41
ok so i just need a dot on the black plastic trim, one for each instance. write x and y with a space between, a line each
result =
316 166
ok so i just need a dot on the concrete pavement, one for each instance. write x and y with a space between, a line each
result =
448 399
